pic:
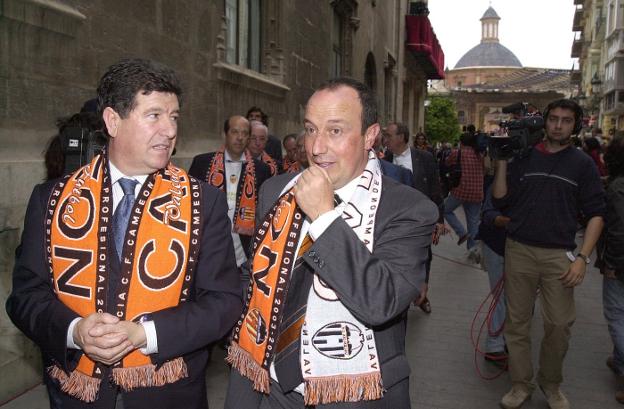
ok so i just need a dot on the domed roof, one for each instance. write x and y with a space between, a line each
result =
489 54
490 13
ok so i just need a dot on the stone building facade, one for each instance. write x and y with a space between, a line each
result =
229 54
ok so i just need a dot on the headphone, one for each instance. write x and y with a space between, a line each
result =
567 104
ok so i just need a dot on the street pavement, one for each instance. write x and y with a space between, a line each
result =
442 356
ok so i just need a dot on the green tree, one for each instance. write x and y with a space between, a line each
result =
441 122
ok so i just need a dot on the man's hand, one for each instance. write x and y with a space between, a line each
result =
575 274
501 221
107 347
133 331
314 192
439 230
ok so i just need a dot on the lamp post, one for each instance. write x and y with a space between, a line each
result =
596 97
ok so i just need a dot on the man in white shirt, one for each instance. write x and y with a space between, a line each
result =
233 170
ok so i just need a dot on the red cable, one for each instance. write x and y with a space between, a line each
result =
495 295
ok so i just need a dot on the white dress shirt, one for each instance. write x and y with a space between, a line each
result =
404 160
151 346
233 173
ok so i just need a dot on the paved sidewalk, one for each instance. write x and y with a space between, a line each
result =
441 353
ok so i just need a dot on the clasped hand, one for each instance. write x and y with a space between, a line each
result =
106 339
314 192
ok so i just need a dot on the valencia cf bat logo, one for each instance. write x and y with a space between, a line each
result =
339 340
256 327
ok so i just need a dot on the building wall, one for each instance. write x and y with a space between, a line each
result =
53 52
463 77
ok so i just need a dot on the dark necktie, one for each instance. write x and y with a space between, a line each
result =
122 213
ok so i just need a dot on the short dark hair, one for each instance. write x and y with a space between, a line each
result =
402 129
366 95
614 157
264 118
569 105
289 136
122 81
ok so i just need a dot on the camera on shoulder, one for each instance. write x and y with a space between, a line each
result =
517 135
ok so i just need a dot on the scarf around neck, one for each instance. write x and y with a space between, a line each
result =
338 353
246 198
158 259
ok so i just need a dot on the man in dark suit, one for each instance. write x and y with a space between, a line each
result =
374 285
233 170
274 145
425 178
123 307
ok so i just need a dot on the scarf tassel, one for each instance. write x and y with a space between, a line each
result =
148 376
343 388
76 384
242 361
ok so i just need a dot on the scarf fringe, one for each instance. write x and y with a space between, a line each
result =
343 388
242 361
148 376
76 384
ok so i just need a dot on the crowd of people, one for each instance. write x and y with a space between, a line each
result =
306 262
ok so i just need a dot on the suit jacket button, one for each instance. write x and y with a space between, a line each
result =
321 263
316 259
312 253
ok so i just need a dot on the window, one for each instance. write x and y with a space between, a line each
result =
461 117
337 45
244 32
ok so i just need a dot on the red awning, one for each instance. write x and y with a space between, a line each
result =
423 44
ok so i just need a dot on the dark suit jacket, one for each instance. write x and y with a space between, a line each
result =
376 287
398 173
200 168
184 330
425 177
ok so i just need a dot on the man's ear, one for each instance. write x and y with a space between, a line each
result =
370 135
112 121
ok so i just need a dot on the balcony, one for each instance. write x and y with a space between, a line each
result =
424 46
614 76
577 48
615 44
577 22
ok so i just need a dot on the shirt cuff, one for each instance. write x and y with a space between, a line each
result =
70 334
318 226
151 341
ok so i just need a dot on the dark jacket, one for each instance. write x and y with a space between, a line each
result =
185 330
425 177
611 245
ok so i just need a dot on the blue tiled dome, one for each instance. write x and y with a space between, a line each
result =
489 54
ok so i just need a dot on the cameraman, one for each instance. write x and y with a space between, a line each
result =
543 193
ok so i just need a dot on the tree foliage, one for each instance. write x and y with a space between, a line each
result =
441 122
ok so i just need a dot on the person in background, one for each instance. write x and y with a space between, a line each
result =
421 142
290 163
468 194
257 143
302 157
592 147
273 146
610 261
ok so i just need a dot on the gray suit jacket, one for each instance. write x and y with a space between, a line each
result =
376 287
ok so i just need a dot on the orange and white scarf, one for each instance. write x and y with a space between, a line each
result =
159 255
246 199
290 166
266 158
341 362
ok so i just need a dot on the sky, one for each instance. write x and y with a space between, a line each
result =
538 32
